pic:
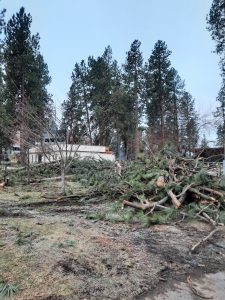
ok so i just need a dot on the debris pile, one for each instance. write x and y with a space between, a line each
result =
159 184
169 180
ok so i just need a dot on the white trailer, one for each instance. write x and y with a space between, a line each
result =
53 152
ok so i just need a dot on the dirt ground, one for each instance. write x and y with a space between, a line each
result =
51 250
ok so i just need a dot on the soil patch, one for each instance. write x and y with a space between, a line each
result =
73 257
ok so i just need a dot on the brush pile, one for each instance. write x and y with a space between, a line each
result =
169 180
156 185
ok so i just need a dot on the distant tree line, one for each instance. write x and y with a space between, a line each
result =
112 105
135 107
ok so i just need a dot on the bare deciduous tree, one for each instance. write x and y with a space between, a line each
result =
58 146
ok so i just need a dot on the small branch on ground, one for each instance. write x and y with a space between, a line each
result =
193 249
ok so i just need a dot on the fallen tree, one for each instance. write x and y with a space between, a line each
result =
158 184
169 180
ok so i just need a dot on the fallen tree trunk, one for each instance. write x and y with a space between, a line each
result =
206 197
217 193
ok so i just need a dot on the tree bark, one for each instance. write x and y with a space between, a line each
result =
136 142
101 136
87 115
118 146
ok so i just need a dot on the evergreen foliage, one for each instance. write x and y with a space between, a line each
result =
216 22
4 140
204 142
76 109
170 110
101 81
157 74
26 74
188 119
107 105
134 85
7 290
220 115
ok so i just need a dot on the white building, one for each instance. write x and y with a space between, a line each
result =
53 152
16 143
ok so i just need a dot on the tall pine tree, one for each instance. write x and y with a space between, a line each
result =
4 140
134 85
175 87
121 113
170 110
220 116
216 22
158 76
26 74
101 83
188 122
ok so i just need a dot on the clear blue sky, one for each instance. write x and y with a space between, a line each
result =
71 30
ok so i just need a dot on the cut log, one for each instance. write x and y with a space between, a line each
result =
160 182
174 199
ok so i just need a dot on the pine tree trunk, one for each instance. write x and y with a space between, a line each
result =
176 125
5 173
125 150
101 136
88 117
162 125
162 128
136 143
118 146
136 132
